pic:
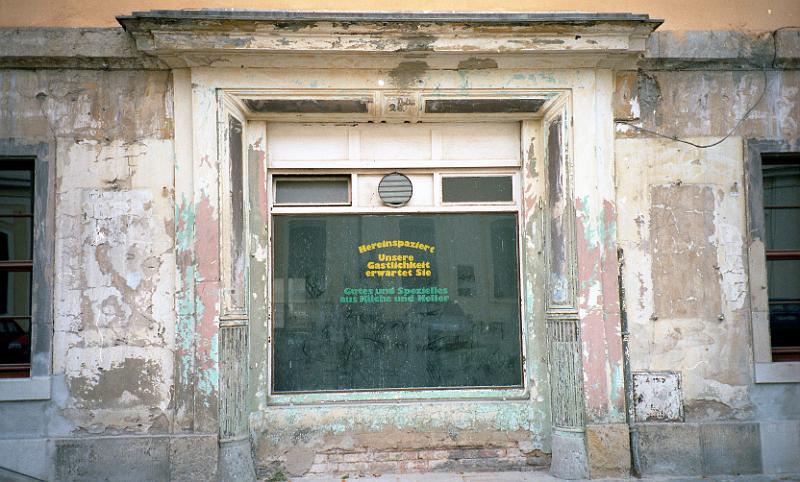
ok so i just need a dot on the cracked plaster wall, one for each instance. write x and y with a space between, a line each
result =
682 226
114 313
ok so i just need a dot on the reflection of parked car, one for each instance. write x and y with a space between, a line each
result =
15 344
784 320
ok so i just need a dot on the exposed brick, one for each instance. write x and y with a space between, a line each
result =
409 466
353 468
432 454
383 467
387 456
356 457
513 452
439 465
476 453
323 468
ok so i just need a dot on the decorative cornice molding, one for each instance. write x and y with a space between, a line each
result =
218 38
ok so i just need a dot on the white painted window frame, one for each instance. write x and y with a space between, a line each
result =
529 131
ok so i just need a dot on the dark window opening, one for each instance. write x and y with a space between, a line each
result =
16 266
472 189
781 181
483 106
312 190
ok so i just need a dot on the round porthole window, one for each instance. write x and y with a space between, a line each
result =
395 189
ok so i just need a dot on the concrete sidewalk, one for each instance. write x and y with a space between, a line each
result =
529 477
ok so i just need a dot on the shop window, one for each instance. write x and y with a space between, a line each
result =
361 301
781 188
394 258
16 265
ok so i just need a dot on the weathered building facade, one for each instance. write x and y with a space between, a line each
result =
592 224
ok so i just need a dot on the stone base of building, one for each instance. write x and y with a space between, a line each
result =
660 449
119 458
727 448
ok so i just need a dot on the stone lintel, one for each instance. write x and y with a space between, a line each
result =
179 37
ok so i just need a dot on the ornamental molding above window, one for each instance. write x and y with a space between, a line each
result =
222 38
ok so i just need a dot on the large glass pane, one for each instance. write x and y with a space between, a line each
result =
782 206
15 239
15 293
16 191
781 184
783 279
395 301
782 228
15 341
784 323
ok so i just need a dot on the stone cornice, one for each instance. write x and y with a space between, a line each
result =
222 38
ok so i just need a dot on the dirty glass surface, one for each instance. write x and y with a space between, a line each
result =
292 190
465 189
395 301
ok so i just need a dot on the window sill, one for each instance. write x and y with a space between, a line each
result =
458 394
778 372
23 389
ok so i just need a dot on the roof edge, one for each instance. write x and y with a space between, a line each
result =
386 16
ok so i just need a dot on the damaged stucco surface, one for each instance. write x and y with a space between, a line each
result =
682 230
113 313
682 219
137 305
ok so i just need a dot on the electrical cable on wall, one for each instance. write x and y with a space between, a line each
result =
739 122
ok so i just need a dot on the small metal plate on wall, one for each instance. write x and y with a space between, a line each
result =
395 189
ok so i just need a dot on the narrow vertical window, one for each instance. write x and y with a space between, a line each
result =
781 180
16 265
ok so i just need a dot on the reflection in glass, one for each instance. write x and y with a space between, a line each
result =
782 206
379 302
16 240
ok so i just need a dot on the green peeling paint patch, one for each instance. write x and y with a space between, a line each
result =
208 376
518 416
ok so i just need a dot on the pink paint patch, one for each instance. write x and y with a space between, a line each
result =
207 249
599 303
